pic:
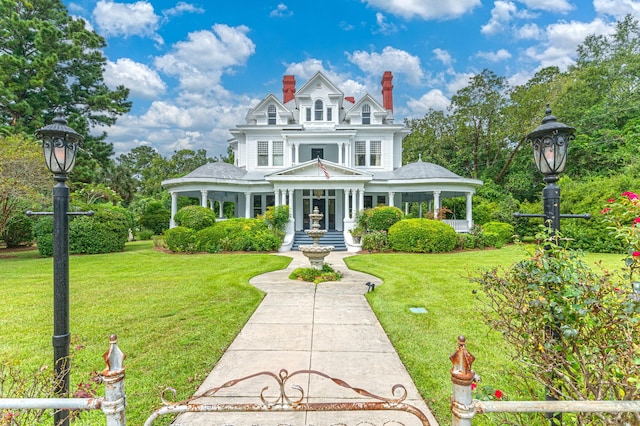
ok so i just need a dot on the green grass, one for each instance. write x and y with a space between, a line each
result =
174 315
440 283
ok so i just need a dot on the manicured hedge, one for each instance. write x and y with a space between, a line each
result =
195 217
155 217
238 234
379 218
181 239
422 236
105 232
504 231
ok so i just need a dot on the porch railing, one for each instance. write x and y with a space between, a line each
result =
458 225
112 404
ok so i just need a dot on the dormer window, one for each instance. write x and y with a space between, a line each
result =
318 109
366 114
271 115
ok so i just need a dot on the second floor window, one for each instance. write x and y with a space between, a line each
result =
278 153
361 153
263 153
375 153
318 108
271 114
366 114
329 114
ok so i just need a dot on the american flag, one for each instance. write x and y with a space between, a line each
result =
324 170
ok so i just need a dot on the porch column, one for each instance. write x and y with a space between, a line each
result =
203 197
469 210
361 199
340 147
247 205
220 208
296 156
354 210
174 209
291 204
436 204
283 197
406 209
391 200
276 193
347 210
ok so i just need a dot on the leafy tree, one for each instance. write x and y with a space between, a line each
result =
23 176
49 60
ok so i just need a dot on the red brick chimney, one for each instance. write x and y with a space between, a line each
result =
387 91
288 88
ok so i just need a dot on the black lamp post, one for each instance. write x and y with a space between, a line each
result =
550 143
60 144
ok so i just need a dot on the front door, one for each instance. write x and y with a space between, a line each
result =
325 201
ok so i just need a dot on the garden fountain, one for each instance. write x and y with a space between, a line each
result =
316 253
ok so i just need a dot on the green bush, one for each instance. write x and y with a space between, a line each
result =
105 232
504 231
327 273
181 239
144 234
466 241
375 241
195 217
277 217
422 236
155 217
379 218
238 234
19 231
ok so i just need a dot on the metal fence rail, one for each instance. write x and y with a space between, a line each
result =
464 408
112 405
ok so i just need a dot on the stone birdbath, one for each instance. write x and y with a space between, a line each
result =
316 253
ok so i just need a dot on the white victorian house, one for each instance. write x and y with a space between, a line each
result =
319 148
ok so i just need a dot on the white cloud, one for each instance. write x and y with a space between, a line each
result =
443 56
500 55
390 59
562 39
126 19
434 99
182 8
425 9
384 26
141 80
501 14
281 10
560 6
617 8
200 61
459 81
528 32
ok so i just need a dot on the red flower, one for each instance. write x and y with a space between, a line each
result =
473 386
635 254
630 195
616 289
611 200
498 394
605 210
636 220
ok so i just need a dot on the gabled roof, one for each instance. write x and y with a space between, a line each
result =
260 110
309 86
312 170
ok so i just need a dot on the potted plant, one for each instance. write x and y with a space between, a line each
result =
357 233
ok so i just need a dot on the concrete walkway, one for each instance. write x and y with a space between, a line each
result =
327 327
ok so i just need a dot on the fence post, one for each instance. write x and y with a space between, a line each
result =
113 377
462 376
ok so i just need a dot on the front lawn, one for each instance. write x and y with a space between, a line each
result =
174 315
440 284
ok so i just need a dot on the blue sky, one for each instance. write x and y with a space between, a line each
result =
195 67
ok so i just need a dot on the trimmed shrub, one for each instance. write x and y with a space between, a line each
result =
195 217
277 217
375 241
504 231
380 218
181 239
155 217
105 232
466 241
422 236
144 234
19 231
238 234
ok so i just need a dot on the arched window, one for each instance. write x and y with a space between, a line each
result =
366 114
271 114
318 108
